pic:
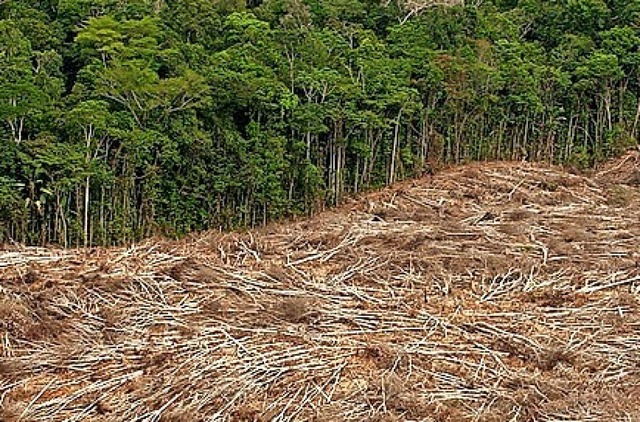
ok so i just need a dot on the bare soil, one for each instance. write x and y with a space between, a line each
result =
488 292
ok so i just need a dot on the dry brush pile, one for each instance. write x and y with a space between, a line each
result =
489 292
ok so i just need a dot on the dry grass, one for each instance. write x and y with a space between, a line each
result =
490 292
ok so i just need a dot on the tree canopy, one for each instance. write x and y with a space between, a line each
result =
120 120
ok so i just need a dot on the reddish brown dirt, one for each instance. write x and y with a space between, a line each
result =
489 292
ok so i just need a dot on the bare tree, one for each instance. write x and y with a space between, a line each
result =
415 7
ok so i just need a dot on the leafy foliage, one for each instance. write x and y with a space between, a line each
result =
120 120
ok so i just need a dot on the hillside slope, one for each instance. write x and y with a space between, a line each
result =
489 292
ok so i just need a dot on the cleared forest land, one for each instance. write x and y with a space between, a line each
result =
488 292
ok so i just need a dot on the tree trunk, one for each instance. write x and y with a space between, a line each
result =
394 150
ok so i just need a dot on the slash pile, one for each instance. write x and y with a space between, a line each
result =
489 292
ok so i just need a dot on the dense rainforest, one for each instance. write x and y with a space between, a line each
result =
121 119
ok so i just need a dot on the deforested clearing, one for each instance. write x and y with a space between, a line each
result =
488 292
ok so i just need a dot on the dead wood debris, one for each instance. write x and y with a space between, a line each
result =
489 292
